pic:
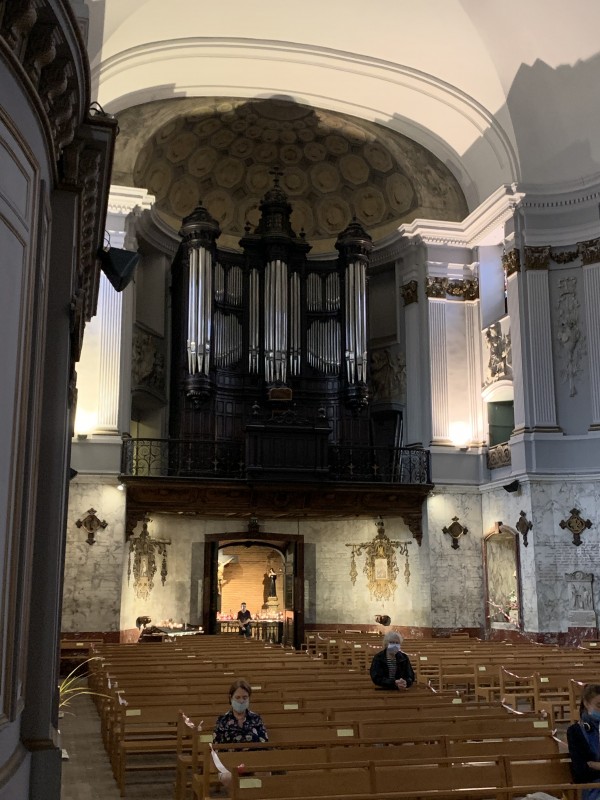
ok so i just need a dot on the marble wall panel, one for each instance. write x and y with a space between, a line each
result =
92 580
456 574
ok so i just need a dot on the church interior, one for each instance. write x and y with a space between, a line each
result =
298 311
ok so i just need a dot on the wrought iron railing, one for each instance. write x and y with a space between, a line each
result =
193 458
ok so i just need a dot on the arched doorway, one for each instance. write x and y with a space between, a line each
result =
289 549
502 576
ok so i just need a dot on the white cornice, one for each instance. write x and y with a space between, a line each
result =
123 199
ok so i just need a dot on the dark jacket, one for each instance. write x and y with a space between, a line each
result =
582 738
380 674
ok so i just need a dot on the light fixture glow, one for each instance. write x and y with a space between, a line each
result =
460 434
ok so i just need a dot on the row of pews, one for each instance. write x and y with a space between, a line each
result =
332 733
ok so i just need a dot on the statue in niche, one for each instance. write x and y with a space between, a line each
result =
272 575
580 599
500 353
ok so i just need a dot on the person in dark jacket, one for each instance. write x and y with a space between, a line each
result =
584 743
391 668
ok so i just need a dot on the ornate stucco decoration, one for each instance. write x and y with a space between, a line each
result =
91 524
499 349
148 362
524 526
381 565
436 287
576 525
511 262
499 456
589 251
388 376
570 337
410 292
455 530
537 257
442 288
145 551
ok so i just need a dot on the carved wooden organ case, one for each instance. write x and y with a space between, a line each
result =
265 332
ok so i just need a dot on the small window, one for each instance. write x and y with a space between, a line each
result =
501 421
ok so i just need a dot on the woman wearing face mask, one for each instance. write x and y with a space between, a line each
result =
239 724
584 743
391 668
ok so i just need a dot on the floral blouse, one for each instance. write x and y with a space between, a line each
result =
228 730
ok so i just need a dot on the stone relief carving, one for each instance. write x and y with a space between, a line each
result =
499 456
410 293
388 376
511 262
499 349
570 337
465 289
148 361
580 598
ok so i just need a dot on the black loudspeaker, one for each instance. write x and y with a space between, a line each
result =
72 473
512 487
118 266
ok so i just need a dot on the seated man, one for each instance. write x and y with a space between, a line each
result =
243 618
391 668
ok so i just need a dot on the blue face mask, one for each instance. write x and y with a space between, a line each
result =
240 706
394 647
595 715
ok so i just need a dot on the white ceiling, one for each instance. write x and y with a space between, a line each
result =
499 91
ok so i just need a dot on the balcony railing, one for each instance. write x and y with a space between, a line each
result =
186 458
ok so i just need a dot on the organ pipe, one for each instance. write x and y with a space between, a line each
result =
199 310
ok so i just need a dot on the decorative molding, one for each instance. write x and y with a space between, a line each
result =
589 251
511 261
381 565
537 257
410 292
443 288
576 525
91 525
498 456
455 530
524 526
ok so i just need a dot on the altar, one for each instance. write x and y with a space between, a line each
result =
265 630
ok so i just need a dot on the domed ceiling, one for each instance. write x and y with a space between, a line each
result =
334 167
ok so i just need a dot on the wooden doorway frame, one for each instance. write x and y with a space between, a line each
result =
293 627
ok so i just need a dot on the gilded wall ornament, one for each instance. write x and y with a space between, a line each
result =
576 525
569 335
145 551
455 530
589 251
524 526
511 262
410 292
436 287
381 566
537 257
91 525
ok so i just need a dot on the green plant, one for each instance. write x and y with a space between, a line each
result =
70 687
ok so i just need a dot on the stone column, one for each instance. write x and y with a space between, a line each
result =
438 371
110 305
539 334
591 283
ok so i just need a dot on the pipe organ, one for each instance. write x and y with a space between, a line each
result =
266 329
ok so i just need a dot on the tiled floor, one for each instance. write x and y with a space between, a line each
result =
87 774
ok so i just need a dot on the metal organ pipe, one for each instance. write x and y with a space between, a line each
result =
356 322
295 334
276 321
199 310
253 332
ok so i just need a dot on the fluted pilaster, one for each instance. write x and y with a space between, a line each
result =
591 282
439 370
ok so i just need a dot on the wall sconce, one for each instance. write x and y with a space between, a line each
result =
145 550
460 435
456 530
121 487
